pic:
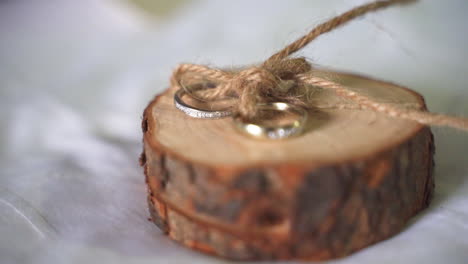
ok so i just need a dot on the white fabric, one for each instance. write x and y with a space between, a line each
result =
76 75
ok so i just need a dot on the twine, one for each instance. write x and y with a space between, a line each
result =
281 78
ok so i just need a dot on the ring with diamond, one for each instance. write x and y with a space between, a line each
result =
198 112
277 131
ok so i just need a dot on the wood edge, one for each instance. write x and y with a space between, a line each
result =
252 233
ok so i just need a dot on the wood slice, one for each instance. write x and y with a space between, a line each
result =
354 178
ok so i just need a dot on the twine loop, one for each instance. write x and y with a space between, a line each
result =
269 82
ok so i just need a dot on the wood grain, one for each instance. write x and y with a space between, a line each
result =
354 178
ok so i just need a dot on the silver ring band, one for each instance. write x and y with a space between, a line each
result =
197 112
275 132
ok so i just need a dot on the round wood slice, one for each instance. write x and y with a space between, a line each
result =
355 177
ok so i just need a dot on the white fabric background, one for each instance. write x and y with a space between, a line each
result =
76 75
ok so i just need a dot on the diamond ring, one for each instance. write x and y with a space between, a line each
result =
198 112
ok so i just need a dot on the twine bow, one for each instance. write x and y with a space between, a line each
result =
281 78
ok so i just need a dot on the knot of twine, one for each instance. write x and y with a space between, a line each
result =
281 78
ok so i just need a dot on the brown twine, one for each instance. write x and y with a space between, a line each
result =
281 78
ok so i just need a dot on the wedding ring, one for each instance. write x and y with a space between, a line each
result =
279 131
198 112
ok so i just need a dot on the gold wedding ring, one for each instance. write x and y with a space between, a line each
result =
198 112
279 131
